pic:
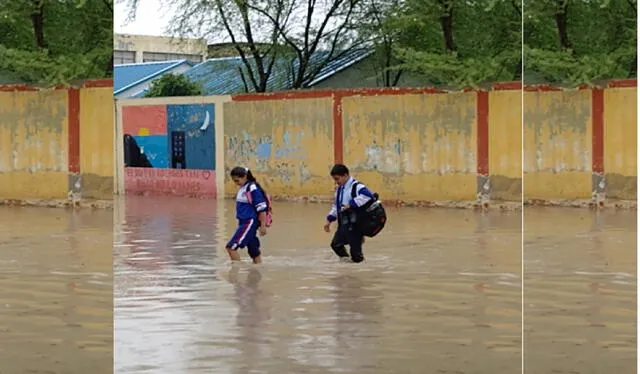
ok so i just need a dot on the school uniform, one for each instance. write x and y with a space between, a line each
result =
347 232
250 201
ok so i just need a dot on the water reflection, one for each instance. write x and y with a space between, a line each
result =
580 291
55 291
437 285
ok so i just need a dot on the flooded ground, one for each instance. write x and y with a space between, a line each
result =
579 291
440 292
56 296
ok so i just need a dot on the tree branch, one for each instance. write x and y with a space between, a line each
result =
243 57
109 4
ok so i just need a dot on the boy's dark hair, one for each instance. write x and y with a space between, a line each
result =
339 169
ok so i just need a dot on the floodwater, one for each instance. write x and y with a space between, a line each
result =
56 296
439 292
579 291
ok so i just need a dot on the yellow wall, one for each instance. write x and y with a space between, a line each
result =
557 145
505 144
96 149
413 147
288 144
33 144
620 142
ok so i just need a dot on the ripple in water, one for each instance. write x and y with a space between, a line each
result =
436 291
56 296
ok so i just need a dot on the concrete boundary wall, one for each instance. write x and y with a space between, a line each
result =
47 141
580 144
423 145
419 145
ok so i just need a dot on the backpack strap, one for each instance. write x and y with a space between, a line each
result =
354 190
248 193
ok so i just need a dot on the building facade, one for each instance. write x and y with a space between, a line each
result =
129 49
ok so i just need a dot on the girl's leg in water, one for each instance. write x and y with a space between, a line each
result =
245 236
253 248
233 254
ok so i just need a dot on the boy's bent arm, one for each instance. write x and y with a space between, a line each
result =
363 195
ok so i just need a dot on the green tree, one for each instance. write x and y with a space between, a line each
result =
460 43
304 35
173 85
579 41
56 41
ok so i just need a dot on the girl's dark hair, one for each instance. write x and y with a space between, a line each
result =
240 172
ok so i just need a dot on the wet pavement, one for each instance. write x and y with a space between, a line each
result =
440 292
579 291
56 296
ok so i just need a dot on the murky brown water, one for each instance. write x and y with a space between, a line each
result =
440 292
579 291
56 294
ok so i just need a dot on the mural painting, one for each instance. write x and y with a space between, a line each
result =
170 149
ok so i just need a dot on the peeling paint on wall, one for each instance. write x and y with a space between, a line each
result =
52 144
557 144
419 144
620 142
287 143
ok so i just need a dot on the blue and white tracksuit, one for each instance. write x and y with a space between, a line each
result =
347 232
248 205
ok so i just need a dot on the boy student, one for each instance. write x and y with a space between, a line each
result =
350 195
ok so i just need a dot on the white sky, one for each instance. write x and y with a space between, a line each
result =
151 18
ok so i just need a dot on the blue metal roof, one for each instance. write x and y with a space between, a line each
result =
129 75
221 76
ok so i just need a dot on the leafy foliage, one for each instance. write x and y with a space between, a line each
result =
459 43
292 29
56 41
173 85
444 42
580 41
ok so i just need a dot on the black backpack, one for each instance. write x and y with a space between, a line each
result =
371 217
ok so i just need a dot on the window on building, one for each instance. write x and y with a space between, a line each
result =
160 56
123 57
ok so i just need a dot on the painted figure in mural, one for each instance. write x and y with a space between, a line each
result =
351 195
133 155
253 211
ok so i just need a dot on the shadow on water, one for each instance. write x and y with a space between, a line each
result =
440 289
580 291
56 297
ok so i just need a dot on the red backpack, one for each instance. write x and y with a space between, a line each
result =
269 212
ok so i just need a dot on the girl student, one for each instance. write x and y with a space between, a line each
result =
253 211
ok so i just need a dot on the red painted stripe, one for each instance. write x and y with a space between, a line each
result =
74 129
597 116
98 83
306 94
315 94
541 87
16 87
482 110
338 135
390 91
620 83
507 86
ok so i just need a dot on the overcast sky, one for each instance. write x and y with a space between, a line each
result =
151 18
